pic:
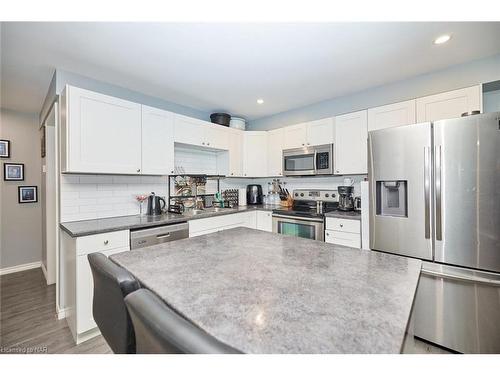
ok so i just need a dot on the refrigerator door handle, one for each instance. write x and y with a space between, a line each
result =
438 186
427 191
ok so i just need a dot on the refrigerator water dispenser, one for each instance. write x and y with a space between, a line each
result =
392 198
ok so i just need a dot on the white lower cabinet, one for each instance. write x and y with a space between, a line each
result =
79 284
343 232
213 224
265 221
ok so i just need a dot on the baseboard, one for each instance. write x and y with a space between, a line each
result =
44 270
61 313
19 268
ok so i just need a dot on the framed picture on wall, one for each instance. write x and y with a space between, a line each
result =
28 194
4 148
13 172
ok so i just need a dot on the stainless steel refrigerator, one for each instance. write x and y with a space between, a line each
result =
435 195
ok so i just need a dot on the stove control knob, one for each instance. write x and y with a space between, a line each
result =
301 194
327 195
296 194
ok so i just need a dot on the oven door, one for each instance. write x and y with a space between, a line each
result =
313 229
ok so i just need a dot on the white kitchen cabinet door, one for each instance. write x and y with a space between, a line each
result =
157 141
216 136
85 291
236 153
351 143
391 115
320 132
101 134
448 104
255 154
188 130
265 221
275 152
295 136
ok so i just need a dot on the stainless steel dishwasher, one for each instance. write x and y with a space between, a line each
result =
140 238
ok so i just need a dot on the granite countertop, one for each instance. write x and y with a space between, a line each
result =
351 215
111 224
262 292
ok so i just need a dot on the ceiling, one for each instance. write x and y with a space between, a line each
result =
211 66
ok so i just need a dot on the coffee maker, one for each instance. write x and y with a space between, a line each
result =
346 200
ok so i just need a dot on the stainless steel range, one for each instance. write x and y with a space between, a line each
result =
306 217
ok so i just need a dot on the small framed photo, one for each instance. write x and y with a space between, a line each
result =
4 148
13 172
28 194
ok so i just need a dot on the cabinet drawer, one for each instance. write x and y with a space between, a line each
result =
343 225
102 242
343 238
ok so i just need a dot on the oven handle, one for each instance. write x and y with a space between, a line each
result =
298 218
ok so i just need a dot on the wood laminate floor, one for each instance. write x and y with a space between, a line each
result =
28 322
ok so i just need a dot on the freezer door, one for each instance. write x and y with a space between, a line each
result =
467 191
458 308
400 190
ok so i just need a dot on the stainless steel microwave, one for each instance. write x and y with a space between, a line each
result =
308 161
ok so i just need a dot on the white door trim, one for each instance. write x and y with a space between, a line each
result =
20 267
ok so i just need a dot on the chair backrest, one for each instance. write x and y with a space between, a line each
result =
112 284
159 329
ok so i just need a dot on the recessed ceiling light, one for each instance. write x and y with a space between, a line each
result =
260 101
442 39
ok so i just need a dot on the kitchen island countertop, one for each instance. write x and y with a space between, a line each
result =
262 292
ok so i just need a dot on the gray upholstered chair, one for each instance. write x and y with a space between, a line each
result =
112 284
159 329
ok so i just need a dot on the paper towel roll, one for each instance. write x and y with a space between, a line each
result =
242 197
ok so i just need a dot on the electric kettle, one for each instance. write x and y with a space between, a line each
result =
154 205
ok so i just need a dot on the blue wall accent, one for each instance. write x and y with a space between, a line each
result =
451 78
64 78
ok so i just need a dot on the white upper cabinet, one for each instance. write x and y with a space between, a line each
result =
100 133
235 153
391 115
196 132
351 143
295 136
216 136
311 133
448 104
255 154
320 132
275 152
157 141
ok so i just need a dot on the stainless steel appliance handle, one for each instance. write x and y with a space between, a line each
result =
298 218
438 185
314 161
163 235
473 279
427 191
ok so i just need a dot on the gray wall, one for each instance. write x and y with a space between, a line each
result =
67 78
458 76
21 229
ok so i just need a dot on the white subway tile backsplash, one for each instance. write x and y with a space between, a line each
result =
85 197
95 194
96 179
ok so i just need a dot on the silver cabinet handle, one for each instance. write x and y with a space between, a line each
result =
438 183
342 225
202 143
208 143
303 144
427 191
106 242
138 170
